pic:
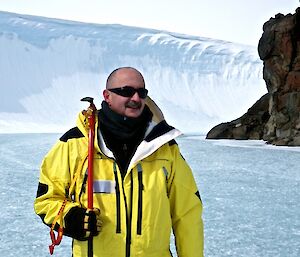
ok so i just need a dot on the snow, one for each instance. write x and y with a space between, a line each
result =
48 65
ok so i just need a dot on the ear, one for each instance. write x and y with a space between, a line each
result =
106 95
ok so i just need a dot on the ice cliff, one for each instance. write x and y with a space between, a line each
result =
48 65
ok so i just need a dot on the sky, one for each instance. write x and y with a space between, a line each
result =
237 21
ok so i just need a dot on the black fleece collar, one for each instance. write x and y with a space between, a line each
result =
121 127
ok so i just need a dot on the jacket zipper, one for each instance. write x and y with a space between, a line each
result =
118 203
128 217
128 239
140 199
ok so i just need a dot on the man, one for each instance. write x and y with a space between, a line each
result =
143 188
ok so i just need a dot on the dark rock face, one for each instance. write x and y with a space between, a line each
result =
279 48
276 116
249 126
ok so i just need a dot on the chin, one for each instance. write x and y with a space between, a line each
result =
133 113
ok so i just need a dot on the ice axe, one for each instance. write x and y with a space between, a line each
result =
90 114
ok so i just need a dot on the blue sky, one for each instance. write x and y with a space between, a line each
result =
233 20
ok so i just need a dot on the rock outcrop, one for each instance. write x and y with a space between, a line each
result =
250 126
276 116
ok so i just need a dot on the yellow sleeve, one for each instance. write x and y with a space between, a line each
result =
54 182
186 208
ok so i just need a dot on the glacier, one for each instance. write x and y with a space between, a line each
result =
48 65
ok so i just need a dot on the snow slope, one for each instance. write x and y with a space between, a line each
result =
48 65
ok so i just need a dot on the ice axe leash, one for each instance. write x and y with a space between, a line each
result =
56 240
90 115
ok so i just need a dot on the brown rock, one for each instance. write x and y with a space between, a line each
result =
296 141
221 131
249 126
292 81
276 116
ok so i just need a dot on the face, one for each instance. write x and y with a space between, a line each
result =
127 106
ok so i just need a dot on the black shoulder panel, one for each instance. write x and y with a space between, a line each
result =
160 129
172 142
72 133
42 189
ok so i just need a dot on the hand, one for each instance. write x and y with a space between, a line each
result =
92 223
81 223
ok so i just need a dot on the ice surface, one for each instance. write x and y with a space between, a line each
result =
48 65
250 196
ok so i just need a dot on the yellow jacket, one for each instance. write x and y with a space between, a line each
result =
158 193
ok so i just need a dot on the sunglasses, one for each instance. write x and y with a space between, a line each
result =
128 91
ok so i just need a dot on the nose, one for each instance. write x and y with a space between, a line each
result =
136 97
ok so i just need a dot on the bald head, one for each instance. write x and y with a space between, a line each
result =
124 74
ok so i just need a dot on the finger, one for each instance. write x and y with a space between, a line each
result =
97 211
86 222
99 223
